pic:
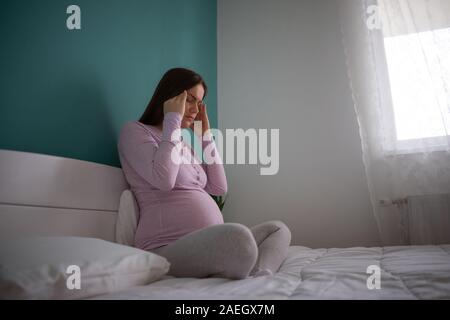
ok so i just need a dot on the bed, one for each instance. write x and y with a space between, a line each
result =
42 195
418 272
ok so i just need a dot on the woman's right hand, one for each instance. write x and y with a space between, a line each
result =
176 104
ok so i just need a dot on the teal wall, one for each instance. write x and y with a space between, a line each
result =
67 93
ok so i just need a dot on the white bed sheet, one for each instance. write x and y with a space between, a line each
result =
407 272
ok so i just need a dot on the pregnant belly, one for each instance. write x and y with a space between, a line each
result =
176 214
189 210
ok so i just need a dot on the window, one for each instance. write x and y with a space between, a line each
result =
418 63
419 85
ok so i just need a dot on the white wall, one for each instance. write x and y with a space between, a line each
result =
281 65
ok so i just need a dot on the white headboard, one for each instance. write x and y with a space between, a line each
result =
42 195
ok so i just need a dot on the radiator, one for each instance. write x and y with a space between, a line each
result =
425 219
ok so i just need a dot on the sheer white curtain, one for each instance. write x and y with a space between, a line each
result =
398 60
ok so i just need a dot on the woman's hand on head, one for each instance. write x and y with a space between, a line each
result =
203 117
176 104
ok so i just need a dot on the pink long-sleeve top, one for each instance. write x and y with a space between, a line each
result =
173 197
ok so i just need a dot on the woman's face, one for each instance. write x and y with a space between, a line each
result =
193 101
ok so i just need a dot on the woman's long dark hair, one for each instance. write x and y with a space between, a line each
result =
174 82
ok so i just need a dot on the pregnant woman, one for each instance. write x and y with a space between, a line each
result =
179 220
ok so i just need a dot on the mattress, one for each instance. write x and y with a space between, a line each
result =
405 272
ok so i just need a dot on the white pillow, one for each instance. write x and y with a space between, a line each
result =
127 219
37 267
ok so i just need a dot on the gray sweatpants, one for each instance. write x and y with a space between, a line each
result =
229 250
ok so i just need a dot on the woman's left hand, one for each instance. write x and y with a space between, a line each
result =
203 117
